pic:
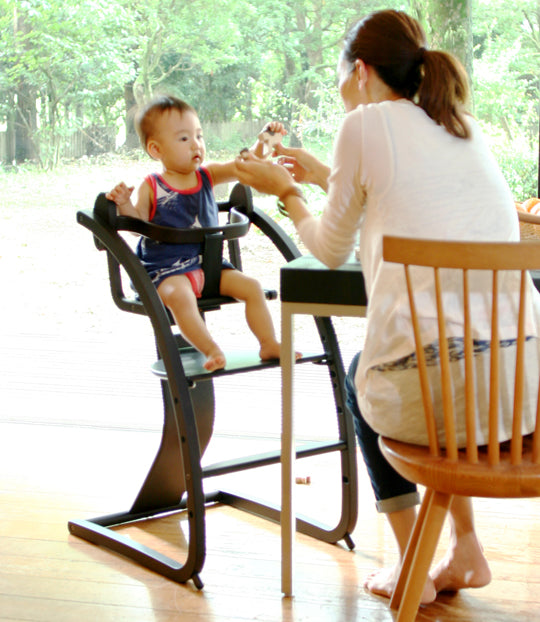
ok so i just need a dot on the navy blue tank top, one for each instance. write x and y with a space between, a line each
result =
185 209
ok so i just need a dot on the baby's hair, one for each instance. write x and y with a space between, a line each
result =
147 115
394 44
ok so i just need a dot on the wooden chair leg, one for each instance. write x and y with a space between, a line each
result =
407 561
428 537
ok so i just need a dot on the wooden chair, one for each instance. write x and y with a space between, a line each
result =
503 470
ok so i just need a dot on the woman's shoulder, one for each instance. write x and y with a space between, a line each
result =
374 114
388 106
375 119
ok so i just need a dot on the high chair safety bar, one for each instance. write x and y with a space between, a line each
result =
174 482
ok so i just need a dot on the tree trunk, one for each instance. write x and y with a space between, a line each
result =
450 24
9 157
309 55
132 140
25 118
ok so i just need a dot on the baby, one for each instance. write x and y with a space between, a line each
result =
182 196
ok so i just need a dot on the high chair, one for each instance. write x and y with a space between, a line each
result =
445 468
175 480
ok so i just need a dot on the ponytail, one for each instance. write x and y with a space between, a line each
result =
393 43
444 92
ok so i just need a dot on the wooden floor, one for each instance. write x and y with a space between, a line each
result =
80 417
79 425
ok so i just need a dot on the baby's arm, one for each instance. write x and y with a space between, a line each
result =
121 195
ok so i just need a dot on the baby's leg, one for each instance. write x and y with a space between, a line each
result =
177 295
237 285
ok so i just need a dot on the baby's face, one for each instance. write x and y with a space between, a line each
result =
178 142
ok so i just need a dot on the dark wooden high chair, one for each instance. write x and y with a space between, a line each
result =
174 482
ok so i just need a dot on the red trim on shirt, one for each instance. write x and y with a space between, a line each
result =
208 175
151 181
193 190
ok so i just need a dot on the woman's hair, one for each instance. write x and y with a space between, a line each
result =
394 44
146 116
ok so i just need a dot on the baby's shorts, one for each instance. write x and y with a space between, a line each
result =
196 278
191 268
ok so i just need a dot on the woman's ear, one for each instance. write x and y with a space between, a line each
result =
361 71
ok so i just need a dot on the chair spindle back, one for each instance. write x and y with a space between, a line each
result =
466 257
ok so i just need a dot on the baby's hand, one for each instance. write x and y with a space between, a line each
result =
275 127
271 136
120 194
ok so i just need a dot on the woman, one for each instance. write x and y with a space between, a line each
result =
408 160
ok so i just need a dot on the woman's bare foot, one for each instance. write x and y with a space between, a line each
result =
382 582
464 566
215 359
272 350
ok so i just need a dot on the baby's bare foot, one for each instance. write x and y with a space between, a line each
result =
215 359
272 350
382 582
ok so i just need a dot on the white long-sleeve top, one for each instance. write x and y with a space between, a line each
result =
396 172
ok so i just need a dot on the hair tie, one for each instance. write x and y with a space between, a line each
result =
420 54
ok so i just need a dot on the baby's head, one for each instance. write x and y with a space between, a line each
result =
147 117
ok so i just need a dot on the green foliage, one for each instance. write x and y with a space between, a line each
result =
48 57
507 87
76 68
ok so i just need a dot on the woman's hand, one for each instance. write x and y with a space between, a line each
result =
271 178
265 176
304 167
275 127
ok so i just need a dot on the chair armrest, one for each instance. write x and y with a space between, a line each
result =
105 212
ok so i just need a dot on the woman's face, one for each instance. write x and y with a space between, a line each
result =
350 88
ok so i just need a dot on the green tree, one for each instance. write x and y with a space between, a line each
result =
49 61
301 41
19 96
506 84
68 67
448 26
200 51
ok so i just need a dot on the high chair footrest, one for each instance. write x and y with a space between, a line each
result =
238 361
